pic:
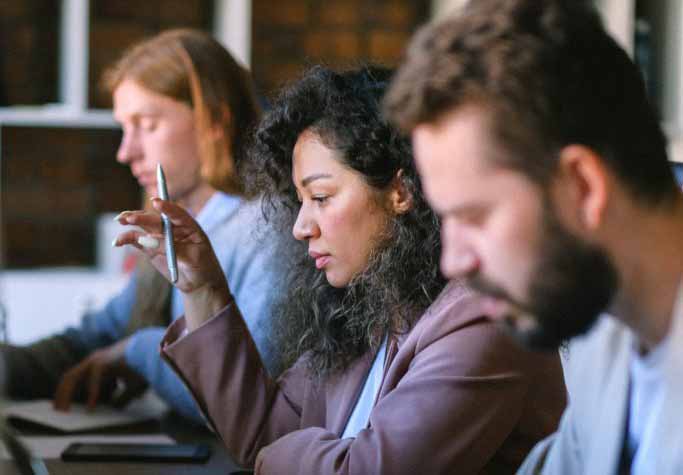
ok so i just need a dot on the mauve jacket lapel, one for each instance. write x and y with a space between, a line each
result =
343 392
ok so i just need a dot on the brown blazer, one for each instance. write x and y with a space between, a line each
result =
458 396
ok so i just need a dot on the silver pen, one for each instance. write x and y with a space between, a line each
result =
168 229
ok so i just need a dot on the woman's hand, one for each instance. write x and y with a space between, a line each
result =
200 277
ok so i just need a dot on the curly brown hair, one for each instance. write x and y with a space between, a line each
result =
332 327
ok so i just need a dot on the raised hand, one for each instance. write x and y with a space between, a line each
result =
200 277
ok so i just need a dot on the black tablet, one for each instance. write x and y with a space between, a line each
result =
95 452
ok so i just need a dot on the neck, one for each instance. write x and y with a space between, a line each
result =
194 200
651 270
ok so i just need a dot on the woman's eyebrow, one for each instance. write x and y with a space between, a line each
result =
314 177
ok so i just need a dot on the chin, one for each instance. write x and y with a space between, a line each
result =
336 281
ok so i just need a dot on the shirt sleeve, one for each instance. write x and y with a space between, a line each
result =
106 326
142 355
246 253
33 371
219 363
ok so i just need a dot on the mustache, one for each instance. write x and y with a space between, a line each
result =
485 286
488 288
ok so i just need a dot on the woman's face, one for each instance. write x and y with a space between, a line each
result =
341 216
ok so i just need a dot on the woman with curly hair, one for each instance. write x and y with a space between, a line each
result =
393 369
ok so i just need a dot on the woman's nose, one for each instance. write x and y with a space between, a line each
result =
305 226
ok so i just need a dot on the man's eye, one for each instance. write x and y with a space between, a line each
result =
149 125
475 217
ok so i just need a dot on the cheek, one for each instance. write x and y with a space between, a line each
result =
512 253
179 150
353 231
337 228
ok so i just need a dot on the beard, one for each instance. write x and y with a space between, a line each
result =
572 284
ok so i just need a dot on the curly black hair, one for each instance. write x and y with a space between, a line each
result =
333 327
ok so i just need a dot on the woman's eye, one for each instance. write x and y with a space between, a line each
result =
320 198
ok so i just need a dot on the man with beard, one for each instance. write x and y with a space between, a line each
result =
536 144
394 371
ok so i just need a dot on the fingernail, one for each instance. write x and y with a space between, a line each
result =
120 215
148 242
114 242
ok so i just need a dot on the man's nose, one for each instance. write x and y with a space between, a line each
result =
458 256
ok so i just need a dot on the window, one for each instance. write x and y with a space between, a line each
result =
57 136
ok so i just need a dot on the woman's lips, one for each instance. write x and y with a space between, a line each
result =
321 261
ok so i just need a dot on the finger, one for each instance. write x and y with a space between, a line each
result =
94 385
152 224
150 221
67 386
140 240
123 216
177 214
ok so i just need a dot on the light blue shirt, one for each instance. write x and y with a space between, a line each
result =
245 251
651 379
646 395
361 412
211 216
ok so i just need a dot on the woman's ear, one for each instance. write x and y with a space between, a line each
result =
400 198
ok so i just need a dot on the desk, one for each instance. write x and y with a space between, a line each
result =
219 463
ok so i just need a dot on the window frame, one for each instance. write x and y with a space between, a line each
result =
231 27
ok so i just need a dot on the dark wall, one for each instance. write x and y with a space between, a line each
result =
29 39
116 24
56 181
289 36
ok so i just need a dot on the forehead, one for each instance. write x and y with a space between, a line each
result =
461 165
455 148
311 156
130 98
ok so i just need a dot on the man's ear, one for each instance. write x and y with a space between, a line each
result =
400 199
586 182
